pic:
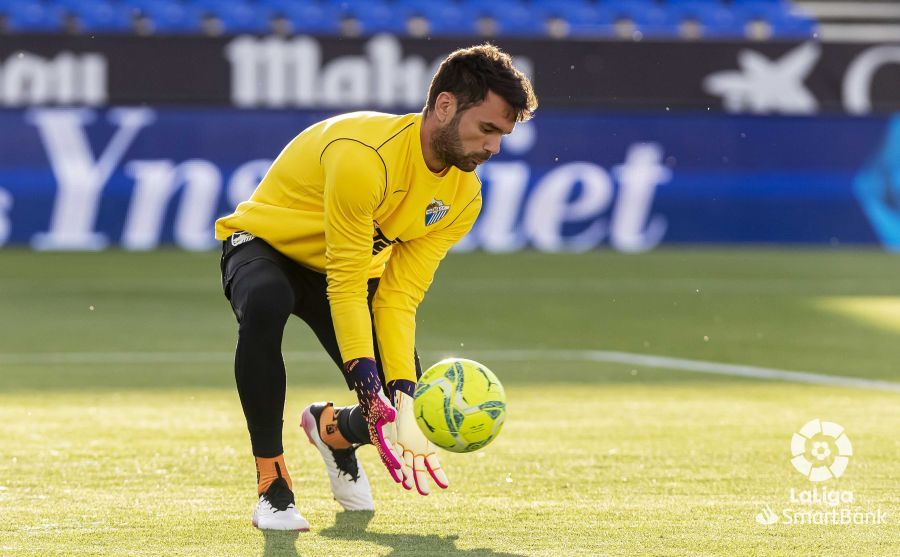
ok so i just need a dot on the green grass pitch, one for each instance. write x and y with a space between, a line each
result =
122 433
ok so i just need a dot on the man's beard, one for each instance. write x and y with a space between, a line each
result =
447 146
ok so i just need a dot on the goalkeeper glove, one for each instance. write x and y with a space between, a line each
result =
418 452
362 375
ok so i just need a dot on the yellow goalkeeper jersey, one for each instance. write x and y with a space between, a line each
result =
351 197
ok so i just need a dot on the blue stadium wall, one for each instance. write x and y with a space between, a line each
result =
576 180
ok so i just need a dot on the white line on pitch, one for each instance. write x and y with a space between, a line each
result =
643 360
697 366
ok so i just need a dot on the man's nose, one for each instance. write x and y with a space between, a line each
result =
492 145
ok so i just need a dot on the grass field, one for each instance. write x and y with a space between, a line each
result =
122 433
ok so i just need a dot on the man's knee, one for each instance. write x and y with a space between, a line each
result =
261 295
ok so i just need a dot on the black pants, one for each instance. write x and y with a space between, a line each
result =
265 288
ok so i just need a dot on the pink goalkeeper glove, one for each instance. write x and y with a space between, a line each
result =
362 375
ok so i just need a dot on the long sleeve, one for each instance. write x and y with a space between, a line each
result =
409 273
354 187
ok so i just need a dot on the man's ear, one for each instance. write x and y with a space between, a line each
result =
445 106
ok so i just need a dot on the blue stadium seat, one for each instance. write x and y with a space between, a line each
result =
793 28
650 19
671 3
100 16
512 17
786 21
562 8
32 16
584 19
716 20
415 5
171 17
444 19
236 16
142 5
282 7
307 17
68 5
355 7
375 16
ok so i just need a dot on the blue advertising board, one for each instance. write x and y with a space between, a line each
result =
570 180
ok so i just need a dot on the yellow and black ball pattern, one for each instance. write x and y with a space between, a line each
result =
460 405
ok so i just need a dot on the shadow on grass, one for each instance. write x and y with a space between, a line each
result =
280 543
351 526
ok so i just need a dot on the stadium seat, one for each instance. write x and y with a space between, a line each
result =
649 19
375 16
511 17
785 20
715 20
562 8
793 28
236 16
282 7
171 17
32 16
581 19
305 16
142 4
101 16
415 5
444 19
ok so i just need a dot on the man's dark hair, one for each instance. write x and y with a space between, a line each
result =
469 73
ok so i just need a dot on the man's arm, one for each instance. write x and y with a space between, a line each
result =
410 271
354 187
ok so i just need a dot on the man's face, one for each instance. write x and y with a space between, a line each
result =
472 136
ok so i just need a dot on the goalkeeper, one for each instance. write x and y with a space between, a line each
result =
346 231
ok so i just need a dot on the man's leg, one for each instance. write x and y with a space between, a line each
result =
262 298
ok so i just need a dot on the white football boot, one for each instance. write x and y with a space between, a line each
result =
349 483
276 511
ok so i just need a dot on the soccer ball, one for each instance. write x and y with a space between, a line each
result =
459 405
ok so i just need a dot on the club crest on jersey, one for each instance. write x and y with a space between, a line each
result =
436 211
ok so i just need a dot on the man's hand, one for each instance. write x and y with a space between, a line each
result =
418 453
362 375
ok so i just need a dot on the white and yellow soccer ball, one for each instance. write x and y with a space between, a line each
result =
459 405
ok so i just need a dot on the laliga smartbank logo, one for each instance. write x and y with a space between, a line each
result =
820 451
